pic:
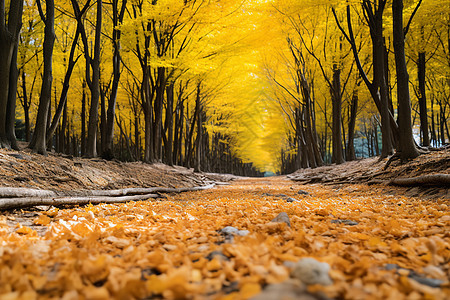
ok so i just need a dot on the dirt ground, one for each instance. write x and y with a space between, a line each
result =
66 174
376 245
373 171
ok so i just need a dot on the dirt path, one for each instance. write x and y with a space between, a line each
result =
377 245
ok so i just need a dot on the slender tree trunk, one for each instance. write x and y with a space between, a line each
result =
160 89
382 89
91 147
337 155
102 118
38 142
169 125
351 128
83 120
407 147
423 101
198 141
148 117
117 16
25 105
11 107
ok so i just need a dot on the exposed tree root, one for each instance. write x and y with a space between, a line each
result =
394 157
12 198
433 179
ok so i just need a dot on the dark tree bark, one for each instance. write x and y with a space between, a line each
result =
168 146
118 15
26 104
91 147
38 142
11 107
198 140
158 106
407 147
337 153
350 151
423 101
9 37
83 120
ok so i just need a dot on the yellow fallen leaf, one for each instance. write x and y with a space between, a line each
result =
249 290
26 230
42 220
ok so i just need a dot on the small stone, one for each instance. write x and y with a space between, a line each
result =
290 289
345 222
311 271
281 196
282 218
391 267
229 230
302 192
291 200
243 232
216 254
427 281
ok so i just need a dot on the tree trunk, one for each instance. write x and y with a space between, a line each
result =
381 89
148 117
109 134
38 142
9 37
160 89
423 100
83 120
91 147
198 141
337 154
351 128
407 147
169 125
11 107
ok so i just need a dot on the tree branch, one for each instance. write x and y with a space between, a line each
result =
405 30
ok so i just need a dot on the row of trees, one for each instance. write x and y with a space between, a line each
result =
356 54
141 73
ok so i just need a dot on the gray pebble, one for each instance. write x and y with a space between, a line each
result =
282 218
311 271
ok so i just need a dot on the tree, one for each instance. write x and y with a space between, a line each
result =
38 142
10 25
373 12
118 14
406 146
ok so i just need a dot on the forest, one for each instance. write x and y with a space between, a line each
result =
244 87
224 149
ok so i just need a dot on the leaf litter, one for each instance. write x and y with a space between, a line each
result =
375 245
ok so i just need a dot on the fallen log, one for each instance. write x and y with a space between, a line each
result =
8 192
433 179
21 198
13 203
135 191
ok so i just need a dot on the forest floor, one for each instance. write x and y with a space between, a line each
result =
378 241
